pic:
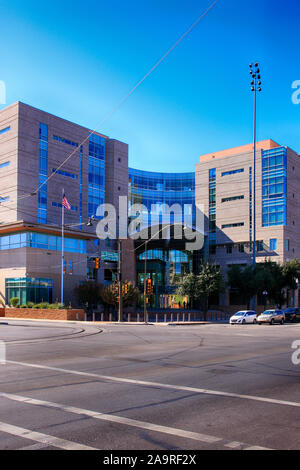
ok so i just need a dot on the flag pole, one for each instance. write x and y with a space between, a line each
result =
62 248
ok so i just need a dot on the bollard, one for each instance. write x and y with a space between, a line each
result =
189 317
156 318
172 317
183 317
110 317
178 317
102 316
165 318
85 317
138 318
129 317
94 316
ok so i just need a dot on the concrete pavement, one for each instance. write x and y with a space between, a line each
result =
211 386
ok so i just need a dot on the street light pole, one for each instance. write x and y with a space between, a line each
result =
255 87
145 285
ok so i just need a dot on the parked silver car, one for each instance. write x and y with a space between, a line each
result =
271 317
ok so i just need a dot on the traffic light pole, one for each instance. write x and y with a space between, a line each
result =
120 311
145 286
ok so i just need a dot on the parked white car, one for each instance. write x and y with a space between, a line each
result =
243 317
271 317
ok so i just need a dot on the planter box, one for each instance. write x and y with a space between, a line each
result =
2 312
44 314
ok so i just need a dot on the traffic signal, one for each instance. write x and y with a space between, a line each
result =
149 288
97 263
125 288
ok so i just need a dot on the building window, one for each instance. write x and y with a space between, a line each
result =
260 245
58 204
287 245
233 172
238 224
70 267
273 244
6 129
4 199
65 141
64 173
41 240
96 183
29 289
2 165
232 198
241 248
212 211
229 249
274 187
43 161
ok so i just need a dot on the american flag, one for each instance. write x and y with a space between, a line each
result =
65 203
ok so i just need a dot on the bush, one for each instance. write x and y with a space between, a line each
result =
14 301
36 306
44 305
23 306
55 306
30 304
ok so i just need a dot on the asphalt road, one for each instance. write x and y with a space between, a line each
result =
215 386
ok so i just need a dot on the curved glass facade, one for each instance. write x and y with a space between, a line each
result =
164 261
153 190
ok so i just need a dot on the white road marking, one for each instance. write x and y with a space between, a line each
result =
122 420
42 438
162 385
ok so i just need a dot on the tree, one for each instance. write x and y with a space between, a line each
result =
88 294
244 280
291 273
210 282
109 295
188 286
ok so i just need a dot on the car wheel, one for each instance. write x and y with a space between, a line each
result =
243 322
259 323
254 321
282 322
272 322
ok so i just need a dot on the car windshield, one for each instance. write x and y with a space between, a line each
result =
289 310
269 312
239 314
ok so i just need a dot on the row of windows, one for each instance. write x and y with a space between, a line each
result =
238 224
4 199
2 165
43 241
65 141
58 204
43 157
65 173
6 129
233 172
274 187
233 198
97 147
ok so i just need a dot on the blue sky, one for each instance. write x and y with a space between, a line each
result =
78 60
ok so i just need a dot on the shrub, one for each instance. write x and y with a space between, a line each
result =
36 306
30 304
44 305
23 306
54 306
14 301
